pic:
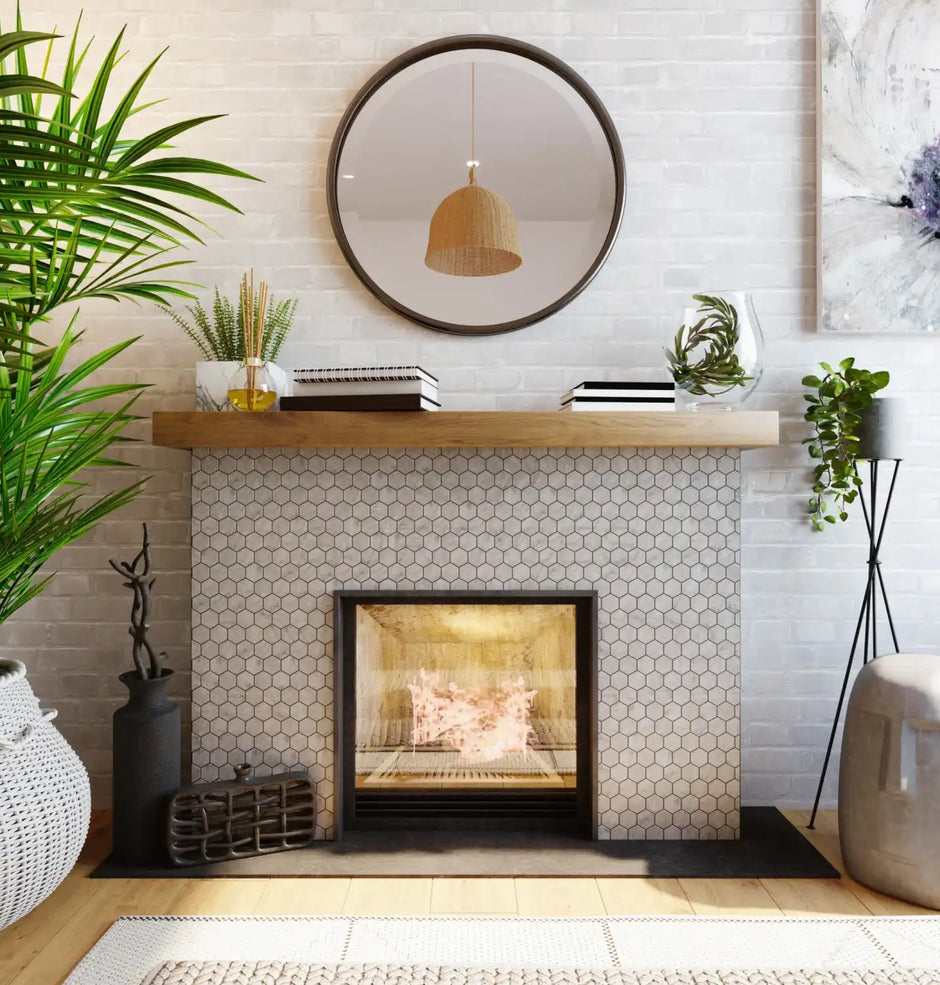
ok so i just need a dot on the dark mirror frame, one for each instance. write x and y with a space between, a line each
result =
455 43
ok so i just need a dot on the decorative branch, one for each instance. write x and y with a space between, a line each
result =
141 584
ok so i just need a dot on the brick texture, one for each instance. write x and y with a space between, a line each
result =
715 104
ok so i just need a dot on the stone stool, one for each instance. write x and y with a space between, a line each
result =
889 781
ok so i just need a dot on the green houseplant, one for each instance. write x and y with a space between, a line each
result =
86 211
715 357
219 334
835 408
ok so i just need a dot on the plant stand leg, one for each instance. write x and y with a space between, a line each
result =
868 614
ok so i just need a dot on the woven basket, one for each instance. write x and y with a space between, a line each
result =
45 800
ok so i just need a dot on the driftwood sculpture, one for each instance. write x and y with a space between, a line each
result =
140 582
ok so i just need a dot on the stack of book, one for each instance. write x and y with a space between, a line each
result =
620 396
363 388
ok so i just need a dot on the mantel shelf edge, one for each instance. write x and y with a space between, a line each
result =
466 429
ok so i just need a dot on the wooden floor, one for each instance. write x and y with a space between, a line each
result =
43 947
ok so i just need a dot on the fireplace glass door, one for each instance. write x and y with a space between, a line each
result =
465 696
463 705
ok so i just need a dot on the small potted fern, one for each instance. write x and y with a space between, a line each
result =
220 335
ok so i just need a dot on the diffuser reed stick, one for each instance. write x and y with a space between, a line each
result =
253 316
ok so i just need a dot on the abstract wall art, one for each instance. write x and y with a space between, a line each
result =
879 222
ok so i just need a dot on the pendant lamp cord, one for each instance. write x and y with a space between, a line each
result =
473 121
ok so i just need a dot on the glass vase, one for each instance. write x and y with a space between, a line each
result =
717 355
252 387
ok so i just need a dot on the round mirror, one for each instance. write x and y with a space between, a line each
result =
476 184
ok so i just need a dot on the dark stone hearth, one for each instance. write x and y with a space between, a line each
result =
769 848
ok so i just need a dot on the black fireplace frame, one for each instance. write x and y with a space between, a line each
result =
570 811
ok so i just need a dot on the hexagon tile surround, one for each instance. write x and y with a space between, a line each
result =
655 534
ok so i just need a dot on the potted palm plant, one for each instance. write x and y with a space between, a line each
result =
86 211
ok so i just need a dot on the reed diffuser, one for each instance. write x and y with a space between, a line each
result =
252 387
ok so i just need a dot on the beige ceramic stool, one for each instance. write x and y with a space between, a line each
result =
889 782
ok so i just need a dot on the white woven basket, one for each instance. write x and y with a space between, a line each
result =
45 800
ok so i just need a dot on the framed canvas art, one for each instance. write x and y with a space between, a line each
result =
879 212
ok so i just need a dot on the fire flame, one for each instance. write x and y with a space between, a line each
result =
482 724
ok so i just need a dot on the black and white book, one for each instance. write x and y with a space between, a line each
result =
353 387
620 390
363 374
644 404
364 402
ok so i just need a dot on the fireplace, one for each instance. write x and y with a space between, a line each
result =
654 532
466 709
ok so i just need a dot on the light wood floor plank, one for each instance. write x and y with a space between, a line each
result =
643 896
217 897
285 897
558 898
43 947
813 897
473 896
115 898
721 897
388 896
21 943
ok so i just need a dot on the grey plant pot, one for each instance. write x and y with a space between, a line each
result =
882 434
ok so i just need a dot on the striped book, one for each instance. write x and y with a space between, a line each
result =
621 391
363 374
357 387
619 406
618 396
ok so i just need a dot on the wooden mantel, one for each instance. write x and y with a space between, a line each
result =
466 429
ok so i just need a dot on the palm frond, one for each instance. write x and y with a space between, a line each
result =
86 210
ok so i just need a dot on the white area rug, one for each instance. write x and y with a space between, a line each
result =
281 973
877 946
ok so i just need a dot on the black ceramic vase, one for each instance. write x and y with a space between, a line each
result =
146 769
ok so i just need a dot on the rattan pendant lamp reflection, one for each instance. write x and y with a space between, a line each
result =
473 231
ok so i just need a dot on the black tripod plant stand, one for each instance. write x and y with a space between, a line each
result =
866 627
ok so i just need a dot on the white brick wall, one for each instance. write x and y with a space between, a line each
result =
714 100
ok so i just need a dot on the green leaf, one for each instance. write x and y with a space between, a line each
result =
85 211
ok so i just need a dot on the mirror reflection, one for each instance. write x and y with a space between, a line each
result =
476 189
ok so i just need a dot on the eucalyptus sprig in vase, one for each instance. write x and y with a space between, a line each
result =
716 356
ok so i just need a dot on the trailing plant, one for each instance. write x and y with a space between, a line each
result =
835 410
220 335
86 211
715 370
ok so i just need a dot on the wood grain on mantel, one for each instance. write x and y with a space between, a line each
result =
466 429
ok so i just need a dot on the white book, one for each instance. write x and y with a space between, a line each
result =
619 394
619 406
313 389
363 374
